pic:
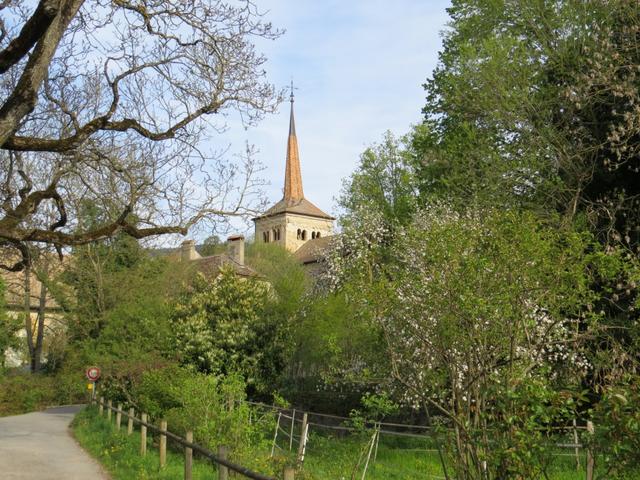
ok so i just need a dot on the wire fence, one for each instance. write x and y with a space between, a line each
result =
294 427
297 432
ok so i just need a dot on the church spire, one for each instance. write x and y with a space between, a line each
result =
292 176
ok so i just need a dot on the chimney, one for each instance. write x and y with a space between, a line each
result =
235 248
188 250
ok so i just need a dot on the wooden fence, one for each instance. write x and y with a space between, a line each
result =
220 459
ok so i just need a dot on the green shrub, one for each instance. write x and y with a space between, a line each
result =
21 393
212 407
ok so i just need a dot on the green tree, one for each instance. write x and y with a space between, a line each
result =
383 181
535 104
478 314
220 328
9 328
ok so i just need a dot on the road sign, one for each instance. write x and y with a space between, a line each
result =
93 373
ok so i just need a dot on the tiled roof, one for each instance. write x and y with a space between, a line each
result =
313 250
300 206
212 265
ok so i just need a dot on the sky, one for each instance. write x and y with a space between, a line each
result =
358 67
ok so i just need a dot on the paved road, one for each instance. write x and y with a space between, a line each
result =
38 446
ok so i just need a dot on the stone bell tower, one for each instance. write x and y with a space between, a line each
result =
294 220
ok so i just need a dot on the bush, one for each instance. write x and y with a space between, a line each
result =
212 407
22 393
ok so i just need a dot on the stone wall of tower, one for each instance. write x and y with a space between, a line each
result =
289 224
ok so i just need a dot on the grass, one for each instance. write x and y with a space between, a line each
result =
326 457
331 458
119 452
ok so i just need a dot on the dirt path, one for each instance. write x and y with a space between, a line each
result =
39 446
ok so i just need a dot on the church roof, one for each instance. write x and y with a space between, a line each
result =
293 200
300 206
292 175
313 250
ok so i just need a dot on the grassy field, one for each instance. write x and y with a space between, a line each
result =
327 457
119 453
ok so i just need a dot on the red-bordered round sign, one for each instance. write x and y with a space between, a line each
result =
93 373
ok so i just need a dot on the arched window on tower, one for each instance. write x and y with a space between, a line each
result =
317 234
313 235
304 234
299 235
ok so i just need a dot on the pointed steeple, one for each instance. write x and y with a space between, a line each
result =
292 175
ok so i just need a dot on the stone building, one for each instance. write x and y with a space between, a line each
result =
294 221
210 265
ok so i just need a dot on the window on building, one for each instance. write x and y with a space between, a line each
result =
317 234
304 234
265 236
299 236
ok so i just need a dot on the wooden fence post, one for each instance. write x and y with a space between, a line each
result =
590 459
275 435
101 406
119 417
303 438
130 421
188 456
163 443
223 472
109 404
143 435
289 473
576 442
293 421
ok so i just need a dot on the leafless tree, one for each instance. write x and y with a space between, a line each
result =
108 102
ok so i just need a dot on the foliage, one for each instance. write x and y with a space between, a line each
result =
383 182
478 310
535 104
120 456
220 328
9 328
617 428
21 393
486 305
212 407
